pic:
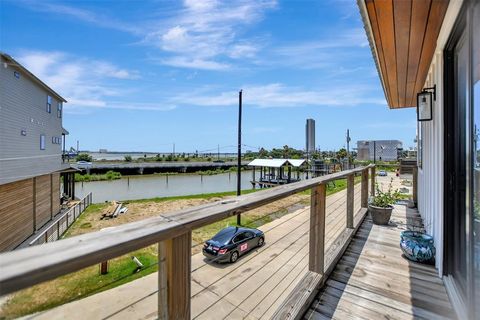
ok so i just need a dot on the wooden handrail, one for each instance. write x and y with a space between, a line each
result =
173 232
29 266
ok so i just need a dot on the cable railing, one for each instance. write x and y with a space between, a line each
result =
61 223
173 234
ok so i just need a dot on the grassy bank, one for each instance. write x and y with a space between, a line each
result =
110 175
88 281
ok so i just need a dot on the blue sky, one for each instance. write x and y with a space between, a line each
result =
141 75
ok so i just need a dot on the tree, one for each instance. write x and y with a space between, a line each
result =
84 157
262 153
342 153
128 158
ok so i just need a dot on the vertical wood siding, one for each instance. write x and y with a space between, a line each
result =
43 208
16 213
55 193
25 206
430 177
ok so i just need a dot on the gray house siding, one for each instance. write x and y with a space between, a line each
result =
23 119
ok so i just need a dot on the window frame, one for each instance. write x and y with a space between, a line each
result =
49 103
59 109
42 142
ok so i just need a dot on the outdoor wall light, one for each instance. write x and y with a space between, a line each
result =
424 103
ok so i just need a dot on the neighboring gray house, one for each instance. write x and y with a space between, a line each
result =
31 138
381 150
30 124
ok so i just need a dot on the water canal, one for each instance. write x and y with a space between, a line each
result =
151 186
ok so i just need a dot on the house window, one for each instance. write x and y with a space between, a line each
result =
42 142
59 110
49 104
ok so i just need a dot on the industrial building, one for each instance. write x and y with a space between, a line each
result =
381 150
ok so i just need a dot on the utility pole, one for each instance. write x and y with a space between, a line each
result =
348 148
218 152
239 153
78 146
374 151
173 151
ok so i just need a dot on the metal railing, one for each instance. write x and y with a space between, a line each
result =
173 233
61 223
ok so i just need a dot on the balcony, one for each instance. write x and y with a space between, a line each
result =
320 261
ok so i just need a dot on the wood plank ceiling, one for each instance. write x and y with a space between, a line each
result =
405 34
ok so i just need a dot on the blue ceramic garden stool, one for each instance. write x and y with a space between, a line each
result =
417 246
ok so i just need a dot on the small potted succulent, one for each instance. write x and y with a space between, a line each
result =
381 205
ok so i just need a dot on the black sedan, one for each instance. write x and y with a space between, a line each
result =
232 242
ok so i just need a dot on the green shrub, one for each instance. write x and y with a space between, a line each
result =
128 158
112 175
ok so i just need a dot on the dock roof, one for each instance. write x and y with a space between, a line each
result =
276 163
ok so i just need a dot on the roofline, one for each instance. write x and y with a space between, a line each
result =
32 76
371 41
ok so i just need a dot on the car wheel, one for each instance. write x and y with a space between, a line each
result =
261 241
234 257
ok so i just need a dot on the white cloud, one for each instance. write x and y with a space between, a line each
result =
85 83
194 63
243 51
205 34
81 14
329 50
276 95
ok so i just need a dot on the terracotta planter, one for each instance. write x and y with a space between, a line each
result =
380 215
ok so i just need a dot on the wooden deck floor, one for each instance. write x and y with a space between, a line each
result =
257 284
373 281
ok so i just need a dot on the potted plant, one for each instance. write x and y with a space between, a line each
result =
381 205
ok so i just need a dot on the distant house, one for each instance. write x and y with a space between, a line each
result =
31 138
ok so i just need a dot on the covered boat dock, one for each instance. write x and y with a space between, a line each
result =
275 172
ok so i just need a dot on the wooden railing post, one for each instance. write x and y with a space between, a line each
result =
317 229
364 196
174 268
372 182
350 200
414 187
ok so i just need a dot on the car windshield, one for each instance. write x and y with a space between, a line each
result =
224 236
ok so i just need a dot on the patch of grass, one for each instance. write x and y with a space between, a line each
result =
85 225
80 284
193 196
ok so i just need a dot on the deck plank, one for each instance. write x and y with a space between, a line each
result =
373 280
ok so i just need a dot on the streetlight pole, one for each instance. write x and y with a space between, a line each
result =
239 153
